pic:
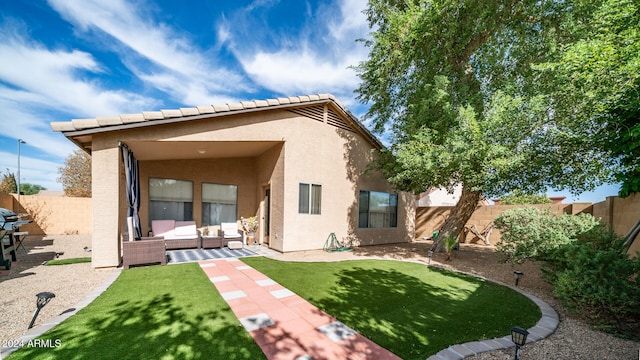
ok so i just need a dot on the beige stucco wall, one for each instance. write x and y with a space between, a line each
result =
305 150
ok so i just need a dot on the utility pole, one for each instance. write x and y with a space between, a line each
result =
20 141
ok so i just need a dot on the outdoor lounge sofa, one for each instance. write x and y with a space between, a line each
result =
177 234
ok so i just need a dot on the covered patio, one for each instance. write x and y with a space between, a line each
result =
298 164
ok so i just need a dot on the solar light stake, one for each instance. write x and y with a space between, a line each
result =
518 275
430 256
519 337
43 299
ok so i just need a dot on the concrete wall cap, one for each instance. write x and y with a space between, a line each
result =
131 118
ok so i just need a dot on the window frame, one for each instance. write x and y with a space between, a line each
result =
203 202
187 212
313 203
390 216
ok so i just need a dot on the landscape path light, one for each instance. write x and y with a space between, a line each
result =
519 337
518 275
43 299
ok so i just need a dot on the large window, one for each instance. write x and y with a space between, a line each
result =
170 199
377 210
219 204
309 199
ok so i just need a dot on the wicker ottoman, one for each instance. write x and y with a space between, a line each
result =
234 245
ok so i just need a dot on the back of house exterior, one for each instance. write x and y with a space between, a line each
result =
299 164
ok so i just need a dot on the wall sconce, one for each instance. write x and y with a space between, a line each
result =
519 337
43 299
518 274
202 151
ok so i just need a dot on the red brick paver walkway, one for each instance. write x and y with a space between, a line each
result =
283 324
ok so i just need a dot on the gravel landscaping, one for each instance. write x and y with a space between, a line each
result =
70 283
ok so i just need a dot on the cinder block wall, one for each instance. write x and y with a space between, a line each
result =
430 219
52 215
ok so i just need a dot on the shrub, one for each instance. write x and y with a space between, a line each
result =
533 233
596 279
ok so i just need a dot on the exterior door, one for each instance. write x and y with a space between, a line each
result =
266 215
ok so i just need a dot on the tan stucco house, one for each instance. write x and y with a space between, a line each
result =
298 163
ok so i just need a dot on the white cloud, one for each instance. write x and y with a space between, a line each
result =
353 23
181 68
50 78
315 59
299 72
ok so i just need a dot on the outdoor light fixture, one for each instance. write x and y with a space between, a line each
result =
430 256
519 337
43 299
518 275
202 151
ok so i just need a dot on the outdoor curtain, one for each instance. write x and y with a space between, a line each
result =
132 175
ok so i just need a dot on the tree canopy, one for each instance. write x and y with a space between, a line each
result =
596 80
461 88
30 189
8 184
75 175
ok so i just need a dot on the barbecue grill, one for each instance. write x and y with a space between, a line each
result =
9 223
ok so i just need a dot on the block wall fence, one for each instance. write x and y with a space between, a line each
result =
51 215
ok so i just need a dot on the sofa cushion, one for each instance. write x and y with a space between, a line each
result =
230 230
163 227
186 228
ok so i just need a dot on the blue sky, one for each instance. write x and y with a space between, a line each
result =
66 59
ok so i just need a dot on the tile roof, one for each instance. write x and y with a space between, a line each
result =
148 118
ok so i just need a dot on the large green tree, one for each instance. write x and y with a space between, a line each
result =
454 82
597 81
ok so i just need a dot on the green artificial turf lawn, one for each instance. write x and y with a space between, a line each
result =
69 261
159 312
410 309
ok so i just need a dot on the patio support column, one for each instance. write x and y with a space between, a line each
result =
105 174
